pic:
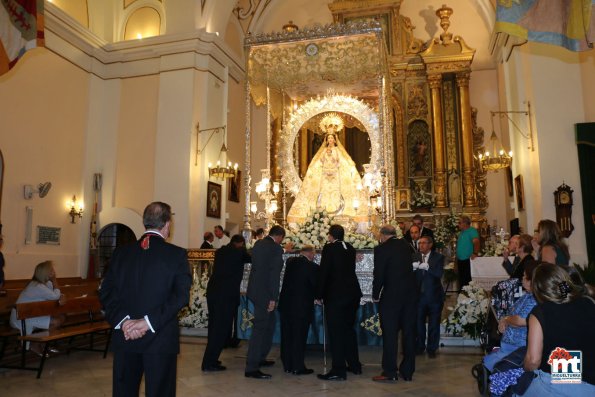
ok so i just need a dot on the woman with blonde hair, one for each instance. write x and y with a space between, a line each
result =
560 325
551 248
42 287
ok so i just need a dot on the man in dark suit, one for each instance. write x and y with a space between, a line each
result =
263 291
208 241
418 221
428 272
395 291
223 298
339 290
145 287
412 238
296 306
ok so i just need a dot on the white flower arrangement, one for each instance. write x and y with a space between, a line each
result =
196 314
361 241
469 316
314 231
494 248
395 224
446 229
421 198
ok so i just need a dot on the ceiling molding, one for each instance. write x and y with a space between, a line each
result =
153 55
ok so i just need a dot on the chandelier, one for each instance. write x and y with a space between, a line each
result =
221 170
267 192
497 158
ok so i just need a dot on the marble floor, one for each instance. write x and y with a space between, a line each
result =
87 374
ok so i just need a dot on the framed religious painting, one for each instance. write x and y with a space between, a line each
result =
233 187
213 200
520 194
403 200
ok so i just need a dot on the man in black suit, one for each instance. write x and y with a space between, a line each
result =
428 272
412 238
339 290
263 291
395 291
223 298
208 241
418 221
145 287
296 306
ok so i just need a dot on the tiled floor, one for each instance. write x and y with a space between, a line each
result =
87 374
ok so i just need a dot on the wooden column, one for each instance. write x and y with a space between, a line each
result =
467 139
435 82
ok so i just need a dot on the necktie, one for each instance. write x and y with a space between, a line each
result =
424 258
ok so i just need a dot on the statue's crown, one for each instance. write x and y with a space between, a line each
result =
332 122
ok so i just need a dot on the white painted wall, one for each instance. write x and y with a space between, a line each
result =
549 77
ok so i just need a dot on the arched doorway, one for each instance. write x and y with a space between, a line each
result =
111 237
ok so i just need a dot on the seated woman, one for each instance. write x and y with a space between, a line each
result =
549 244
523 252
564 318
514 326
42 287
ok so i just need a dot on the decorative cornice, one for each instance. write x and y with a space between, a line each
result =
314 32
153 55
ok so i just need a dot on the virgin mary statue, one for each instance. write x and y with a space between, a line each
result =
332 182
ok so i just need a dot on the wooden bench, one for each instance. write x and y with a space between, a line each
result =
90 305
22 282
9 296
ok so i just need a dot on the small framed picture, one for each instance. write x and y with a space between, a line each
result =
234 186
520 194
213 200
403 199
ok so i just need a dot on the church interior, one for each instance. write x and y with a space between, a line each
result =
225 108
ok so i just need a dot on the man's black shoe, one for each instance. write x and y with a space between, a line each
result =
266 363
257 375
355 370
305 371
331 376
214 368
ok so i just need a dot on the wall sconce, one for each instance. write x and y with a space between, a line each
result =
499 158
221 170
76 209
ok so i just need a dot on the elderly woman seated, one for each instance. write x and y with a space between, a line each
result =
42 287
514 326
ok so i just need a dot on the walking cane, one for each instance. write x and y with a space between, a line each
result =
324 338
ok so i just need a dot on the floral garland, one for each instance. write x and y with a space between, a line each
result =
469 316
196 314
315 229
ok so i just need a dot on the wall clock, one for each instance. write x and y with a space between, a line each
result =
563 203
311 49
